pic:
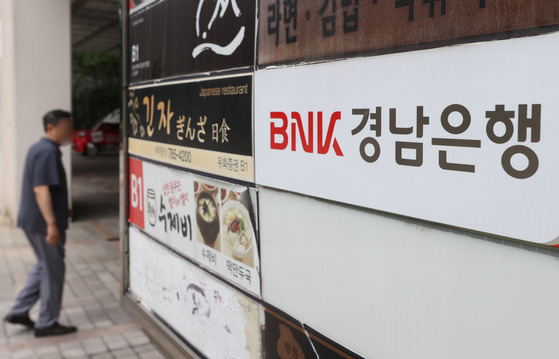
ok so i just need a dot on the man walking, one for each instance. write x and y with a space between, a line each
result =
44 216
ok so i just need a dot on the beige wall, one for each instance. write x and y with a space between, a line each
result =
35 77
393 288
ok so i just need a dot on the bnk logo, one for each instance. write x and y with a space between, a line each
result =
281 135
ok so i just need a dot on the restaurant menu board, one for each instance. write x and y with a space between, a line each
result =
426 134
308 29
177 37
218 321
211 222
199 125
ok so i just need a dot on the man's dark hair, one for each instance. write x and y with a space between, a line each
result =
52 117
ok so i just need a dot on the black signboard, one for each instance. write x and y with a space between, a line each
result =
177 37
201 125
287 338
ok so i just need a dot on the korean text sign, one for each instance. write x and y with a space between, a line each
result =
307 30
211 222
464 136
199 125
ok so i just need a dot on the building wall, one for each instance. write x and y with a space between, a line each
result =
368 245
36 77
390 288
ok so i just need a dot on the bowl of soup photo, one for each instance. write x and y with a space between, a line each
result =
207 217
237 230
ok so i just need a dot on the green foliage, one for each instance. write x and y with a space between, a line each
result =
96 87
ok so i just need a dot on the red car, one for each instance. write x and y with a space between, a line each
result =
105 136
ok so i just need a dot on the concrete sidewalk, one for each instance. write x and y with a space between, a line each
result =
91 293
91 299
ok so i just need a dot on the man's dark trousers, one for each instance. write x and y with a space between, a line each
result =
45 281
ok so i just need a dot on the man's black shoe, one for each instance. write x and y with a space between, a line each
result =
19 319
55 329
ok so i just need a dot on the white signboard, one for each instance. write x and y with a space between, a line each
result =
162 204
466 136
212 222
216 319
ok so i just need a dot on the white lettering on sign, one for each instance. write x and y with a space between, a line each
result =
221 7
136 192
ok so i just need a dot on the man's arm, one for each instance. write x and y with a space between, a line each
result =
44 201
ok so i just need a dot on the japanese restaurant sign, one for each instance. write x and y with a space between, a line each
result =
211 222
400 133
200 125
177 37
311 29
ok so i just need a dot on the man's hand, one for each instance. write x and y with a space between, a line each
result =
53 234
44 201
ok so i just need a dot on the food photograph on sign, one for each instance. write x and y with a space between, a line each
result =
207 215
229 220
237 231
226 227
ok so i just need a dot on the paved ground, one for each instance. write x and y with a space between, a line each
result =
95 188
91 294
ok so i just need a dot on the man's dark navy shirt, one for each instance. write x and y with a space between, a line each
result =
43 166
